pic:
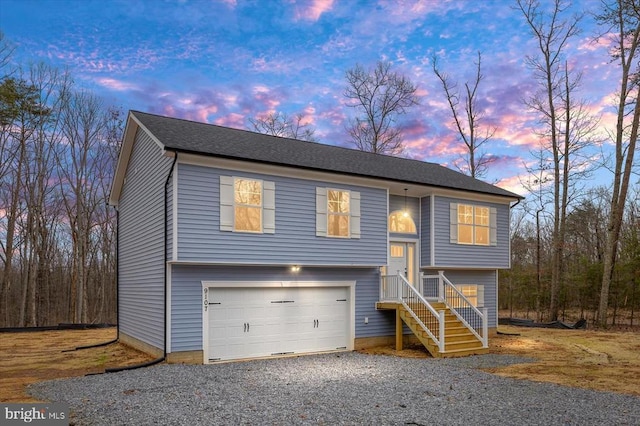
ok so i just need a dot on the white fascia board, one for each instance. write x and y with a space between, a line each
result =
472 196
130 132
280 264
126 148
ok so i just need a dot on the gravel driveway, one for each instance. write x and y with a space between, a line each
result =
339 388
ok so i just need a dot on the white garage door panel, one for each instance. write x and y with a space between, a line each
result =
254 322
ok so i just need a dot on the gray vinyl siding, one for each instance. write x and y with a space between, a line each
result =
488 279
448 254
186 296
294 241
425 231
141 248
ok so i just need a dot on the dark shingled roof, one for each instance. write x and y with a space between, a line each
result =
207 139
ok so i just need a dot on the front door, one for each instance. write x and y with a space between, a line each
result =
402 260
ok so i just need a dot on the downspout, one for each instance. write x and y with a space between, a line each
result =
164 248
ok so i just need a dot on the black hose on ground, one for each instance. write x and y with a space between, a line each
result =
97 345
502 333
129 367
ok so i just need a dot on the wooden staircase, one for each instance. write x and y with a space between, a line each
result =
459 341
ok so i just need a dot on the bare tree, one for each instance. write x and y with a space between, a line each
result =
280 124
84 125
566 128
468 119
622 17
21 114
57 159
380 96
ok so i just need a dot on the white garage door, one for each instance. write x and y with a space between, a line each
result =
256 322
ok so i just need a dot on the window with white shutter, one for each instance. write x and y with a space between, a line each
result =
473 224
337 213
247 205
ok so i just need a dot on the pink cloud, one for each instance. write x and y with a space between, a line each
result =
117 85
263 95
233 119
513 184
311 10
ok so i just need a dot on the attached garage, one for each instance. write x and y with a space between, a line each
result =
258 319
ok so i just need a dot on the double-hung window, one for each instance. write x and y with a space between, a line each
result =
247 205
337 213
473 224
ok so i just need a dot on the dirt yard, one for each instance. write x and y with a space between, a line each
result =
603 360
36 356
600 360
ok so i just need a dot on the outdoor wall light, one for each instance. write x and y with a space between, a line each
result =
295 268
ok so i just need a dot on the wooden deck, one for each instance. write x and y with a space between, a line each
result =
459 340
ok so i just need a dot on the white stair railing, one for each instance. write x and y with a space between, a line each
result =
472 318
396 288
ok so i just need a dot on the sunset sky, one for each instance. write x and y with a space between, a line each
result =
224 62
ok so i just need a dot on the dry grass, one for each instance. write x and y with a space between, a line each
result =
31 357
602 360
599 360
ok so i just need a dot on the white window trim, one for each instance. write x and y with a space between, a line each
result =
400 213
454 224
322 213
479 293
228 204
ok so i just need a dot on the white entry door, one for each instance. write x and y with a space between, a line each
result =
402 260
257 322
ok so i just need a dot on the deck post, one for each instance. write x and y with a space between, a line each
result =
441 286
442 329
398 330
485 328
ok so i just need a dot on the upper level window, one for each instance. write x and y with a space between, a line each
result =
247 205
337 213
401 222
472 224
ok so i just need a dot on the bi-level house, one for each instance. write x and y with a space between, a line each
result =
234 244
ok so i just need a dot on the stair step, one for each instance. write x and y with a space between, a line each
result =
459 341
465 344
462 337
